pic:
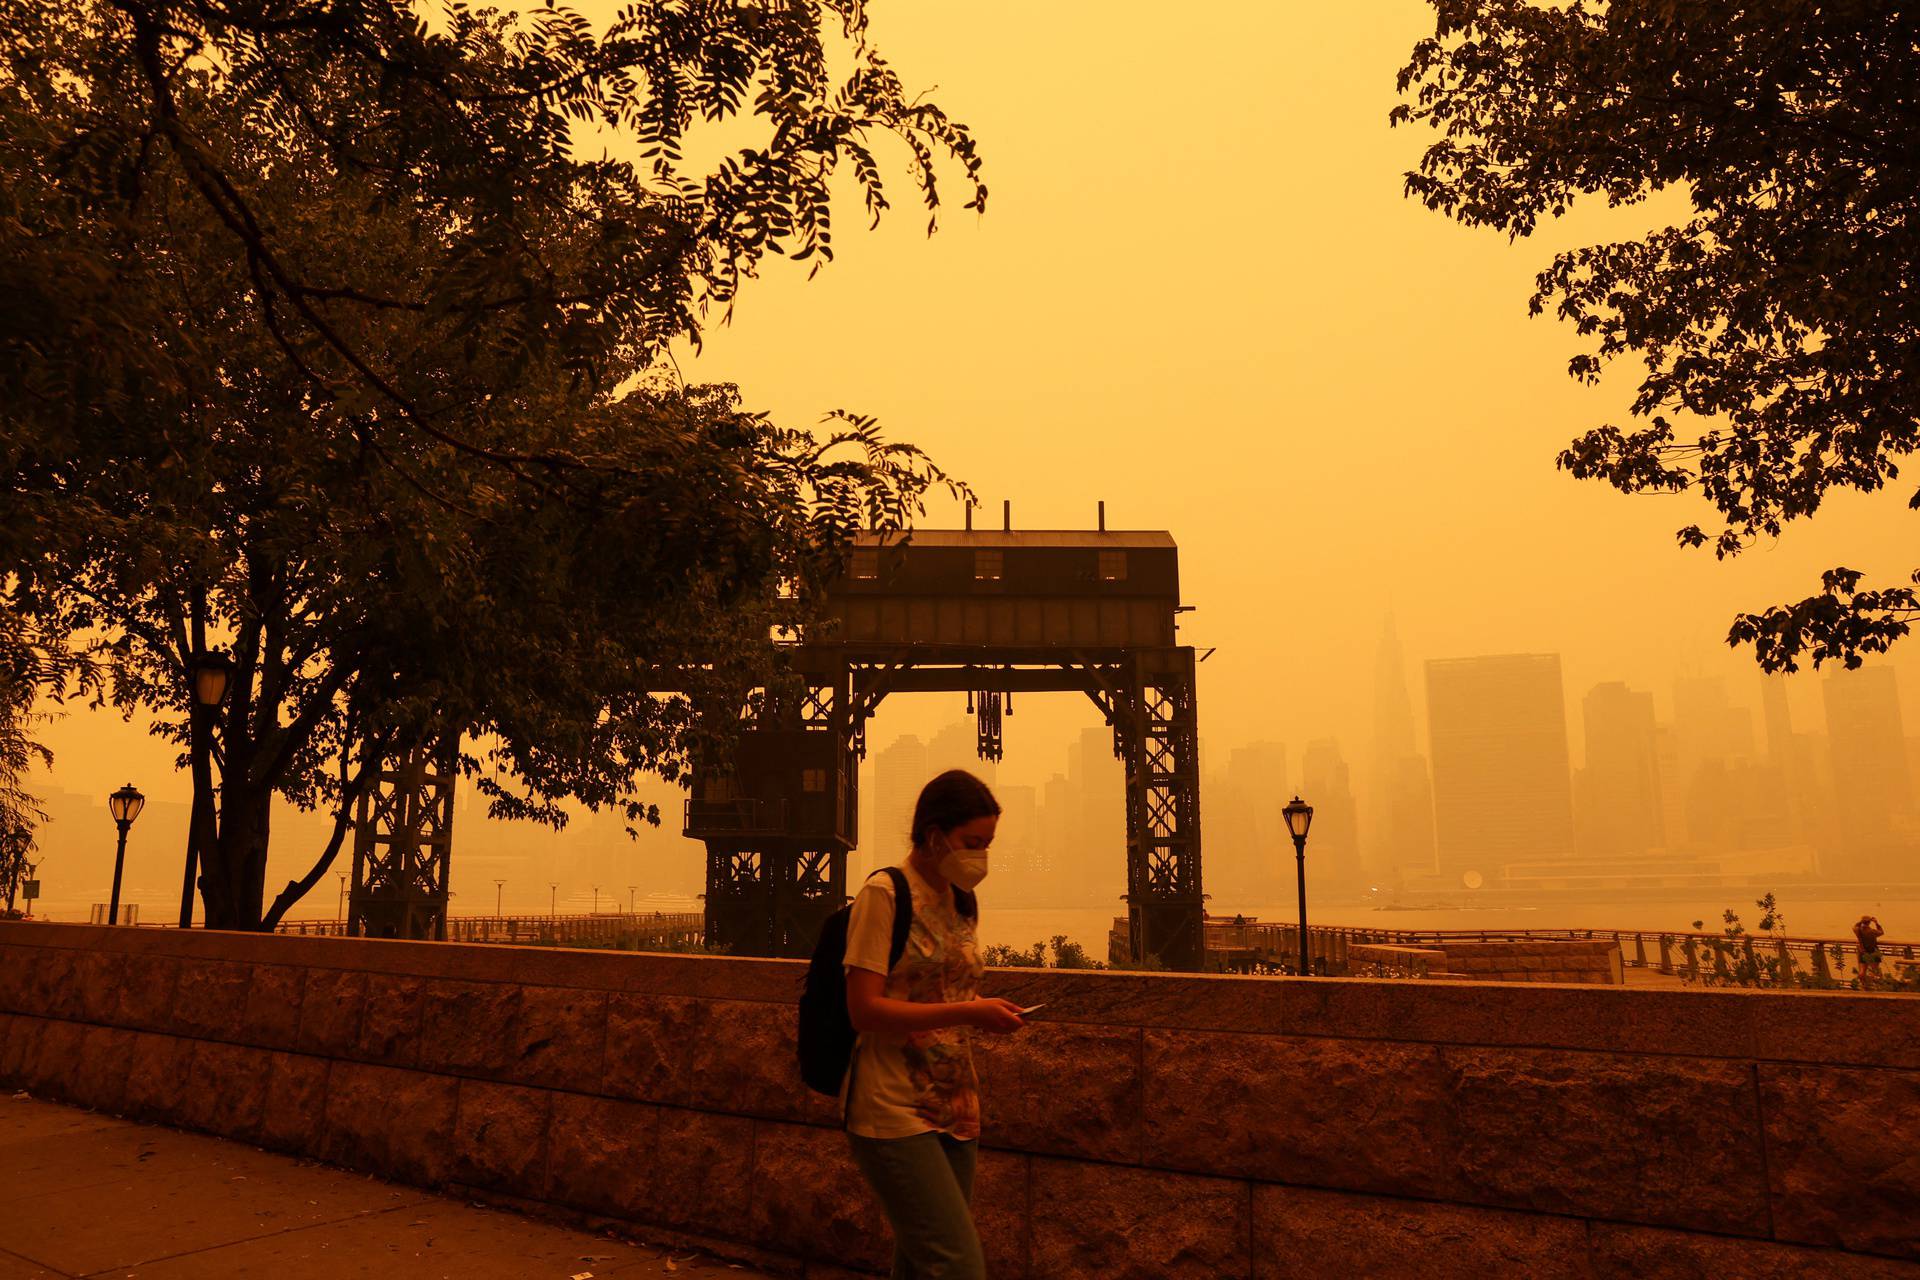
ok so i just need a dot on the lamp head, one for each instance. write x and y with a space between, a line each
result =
1299 817
211 672
125 804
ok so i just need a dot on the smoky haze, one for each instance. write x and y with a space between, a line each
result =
1199 296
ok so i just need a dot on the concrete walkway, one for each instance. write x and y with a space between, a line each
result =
88 1195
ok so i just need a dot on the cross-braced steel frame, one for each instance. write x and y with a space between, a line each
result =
770 882
402 845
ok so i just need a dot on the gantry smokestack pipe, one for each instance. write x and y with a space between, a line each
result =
969 515
1006 515
1103 517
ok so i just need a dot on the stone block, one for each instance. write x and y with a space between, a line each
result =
1837 1028
702 1174
647 1039
809 1200
18 1049
389 1121
158 1069
99 1078
210 999
98 978
226 1089
1300 1232
1060 1089
390 1021
51 1068
467 1027
601 1155
1544 1130
53 984
16 965
1122 1223
331 1001
1842 1159
1618 1250
559 1038
294 1115
735 1056
500 1138
1353 1114
272 1017
1001 1210
146 993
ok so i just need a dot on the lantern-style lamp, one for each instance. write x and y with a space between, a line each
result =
211 672
1299 816
125 805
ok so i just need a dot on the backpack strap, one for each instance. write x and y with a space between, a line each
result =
902 915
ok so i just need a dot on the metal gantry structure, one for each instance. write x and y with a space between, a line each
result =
989 614
402 847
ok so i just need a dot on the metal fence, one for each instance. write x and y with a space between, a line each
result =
1706 958
665 930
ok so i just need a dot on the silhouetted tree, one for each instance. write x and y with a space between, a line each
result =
322 343
1779 324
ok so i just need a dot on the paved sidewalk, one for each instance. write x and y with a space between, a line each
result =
85 1195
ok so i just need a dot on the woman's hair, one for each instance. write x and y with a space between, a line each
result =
951 800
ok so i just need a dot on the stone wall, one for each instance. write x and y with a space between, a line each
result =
1147 1125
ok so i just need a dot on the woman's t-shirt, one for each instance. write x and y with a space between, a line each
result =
921 1081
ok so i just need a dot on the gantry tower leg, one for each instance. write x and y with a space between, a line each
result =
403 845
1156 734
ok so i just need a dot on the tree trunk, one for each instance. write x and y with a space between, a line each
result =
233 883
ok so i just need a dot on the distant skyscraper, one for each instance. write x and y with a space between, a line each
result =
1872 778
1618 789
899 772
1333 851
1501 788
1399 827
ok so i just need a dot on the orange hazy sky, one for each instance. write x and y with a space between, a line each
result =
1199 295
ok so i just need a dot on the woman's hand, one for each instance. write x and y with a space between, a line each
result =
989 1013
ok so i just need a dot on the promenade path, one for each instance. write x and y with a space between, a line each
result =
88 1195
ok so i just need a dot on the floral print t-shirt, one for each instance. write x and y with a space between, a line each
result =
921 1081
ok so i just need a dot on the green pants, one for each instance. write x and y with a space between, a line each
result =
924 1183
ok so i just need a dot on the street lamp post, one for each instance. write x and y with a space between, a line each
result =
211 672
499 887
553 894
596 899
631 890
1300 817
125 805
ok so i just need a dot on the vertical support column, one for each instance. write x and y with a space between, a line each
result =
403 846
1160 747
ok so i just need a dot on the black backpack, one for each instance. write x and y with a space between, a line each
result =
826 1033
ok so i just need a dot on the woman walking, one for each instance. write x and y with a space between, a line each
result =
912 1102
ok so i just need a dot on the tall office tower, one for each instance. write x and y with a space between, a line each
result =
957 747
1244 827
1333 849
1872 778
899 772
1709 725
1098 782
1501 789
1019 857
1399 790
1617 792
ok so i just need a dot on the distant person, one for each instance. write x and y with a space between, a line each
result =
912 1100
1867 934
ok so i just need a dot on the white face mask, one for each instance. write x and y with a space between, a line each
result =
964 867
